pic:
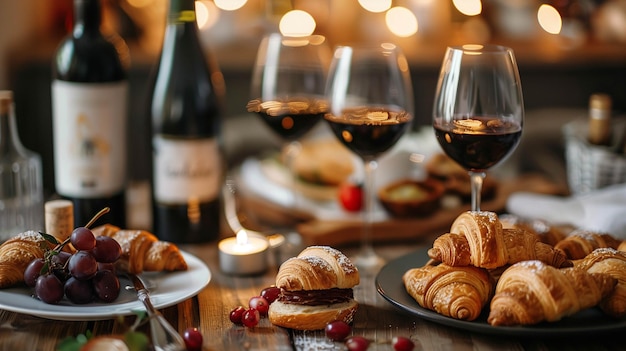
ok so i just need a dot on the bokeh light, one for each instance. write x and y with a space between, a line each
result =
375 5
297 23
207 14
230 5
401 21
468 7
549 19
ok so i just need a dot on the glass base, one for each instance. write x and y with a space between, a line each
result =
368 260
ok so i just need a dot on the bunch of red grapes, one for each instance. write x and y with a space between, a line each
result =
86 275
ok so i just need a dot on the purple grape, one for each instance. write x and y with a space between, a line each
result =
83 265
107 267
79 291
107 286
49 289
83 239
33 271
106 250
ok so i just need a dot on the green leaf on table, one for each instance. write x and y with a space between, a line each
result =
136 341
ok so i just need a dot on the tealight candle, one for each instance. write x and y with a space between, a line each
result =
243 254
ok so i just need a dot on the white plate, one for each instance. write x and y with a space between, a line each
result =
166 289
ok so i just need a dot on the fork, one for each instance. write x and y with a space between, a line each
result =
164 336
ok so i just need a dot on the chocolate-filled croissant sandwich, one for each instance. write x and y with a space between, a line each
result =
316 288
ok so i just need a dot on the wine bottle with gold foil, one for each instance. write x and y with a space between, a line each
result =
186 121
89 109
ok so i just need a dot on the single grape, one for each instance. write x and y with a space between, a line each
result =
260 304
357 343
236 314
270 293
60 258
33 271
49 289
193 339
337 330
107 286
83 239
82 265
400 343
79 291
106 250
250 318
106 267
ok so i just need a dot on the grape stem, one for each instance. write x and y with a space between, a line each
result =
100 213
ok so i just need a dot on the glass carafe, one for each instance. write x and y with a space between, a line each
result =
21 190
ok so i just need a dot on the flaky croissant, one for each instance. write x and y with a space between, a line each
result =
457 292
16 254
531 291
547 233
317 268
613 263
580 243
142 251
477 238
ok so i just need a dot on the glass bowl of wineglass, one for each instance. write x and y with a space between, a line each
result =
478 111
370 96
287 89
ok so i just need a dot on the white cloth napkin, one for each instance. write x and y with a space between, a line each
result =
602 210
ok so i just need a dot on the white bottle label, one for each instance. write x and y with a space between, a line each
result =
186 170
89 124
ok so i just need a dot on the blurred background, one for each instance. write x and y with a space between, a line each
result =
566 50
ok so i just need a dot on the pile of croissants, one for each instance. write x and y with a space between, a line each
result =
518 274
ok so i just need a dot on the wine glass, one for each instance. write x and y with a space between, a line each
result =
478 111
287 89
371 106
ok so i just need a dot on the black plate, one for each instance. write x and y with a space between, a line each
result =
389 285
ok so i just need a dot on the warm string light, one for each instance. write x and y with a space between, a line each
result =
549 19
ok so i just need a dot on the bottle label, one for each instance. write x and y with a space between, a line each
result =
186 170
89 126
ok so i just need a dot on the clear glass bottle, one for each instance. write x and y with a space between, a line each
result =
21 183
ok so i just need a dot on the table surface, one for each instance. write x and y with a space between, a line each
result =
376 319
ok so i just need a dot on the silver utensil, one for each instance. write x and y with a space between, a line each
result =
164 336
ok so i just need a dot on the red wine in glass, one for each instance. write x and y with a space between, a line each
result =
291 119
478 143
367 131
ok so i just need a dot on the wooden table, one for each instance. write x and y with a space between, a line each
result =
376 319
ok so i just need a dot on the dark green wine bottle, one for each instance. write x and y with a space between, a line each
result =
89 108
186 122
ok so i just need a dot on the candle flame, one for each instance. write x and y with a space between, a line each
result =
242 237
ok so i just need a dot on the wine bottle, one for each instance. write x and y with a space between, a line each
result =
89 108
186 121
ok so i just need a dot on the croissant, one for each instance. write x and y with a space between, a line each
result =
531 291
456 292
547 233
478 239
142 251
612 262
580 243
16 254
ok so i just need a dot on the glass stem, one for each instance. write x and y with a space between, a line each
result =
367 249
476 179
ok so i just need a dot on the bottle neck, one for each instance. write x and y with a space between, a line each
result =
87 16
9 139
182 12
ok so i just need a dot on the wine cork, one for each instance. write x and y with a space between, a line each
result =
600 119
59 217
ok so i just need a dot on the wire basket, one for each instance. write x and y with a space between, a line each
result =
589 166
